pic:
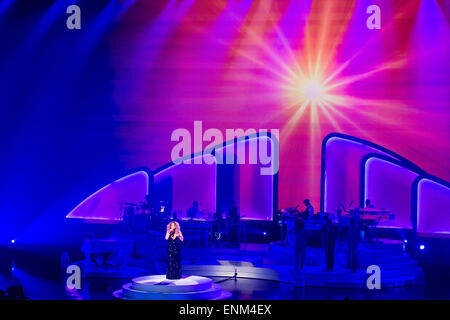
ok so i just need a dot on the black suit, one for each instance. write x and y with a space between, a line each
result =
353 240
233 226
300 243
329 243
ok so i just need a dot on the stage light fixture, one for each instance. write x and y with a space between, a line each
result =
13 241
422 247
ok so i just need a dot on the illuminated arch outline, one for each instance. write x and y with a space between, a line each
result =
353 139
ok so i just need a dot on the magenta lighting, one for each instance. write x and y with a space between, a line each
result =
106 203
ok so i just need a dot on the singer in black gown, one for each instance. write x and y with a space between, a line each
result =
174 238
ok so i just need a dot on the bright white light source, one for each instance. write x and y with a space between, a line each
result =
313 90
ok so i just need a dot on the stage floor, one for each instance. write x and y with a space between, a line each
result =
38 287
38 283
275 262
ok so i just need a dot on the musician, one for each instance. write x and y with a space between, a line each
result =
217 225
174 237
309 210
368 229
148 202
218 216
233 214
300 243
352 243
233 225
329 232
342 229
193 211
128 218
369 205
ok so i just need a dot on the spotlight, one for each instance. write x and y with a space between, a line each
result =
13 241
422 247
264 233
313 90
405 241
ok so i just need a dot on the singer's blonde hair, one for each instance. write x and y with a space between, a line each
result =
177 227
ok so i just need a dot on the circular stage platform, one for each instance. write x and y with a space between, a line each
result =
157 287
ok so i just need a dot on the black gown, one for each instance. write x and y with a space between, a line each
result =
174 259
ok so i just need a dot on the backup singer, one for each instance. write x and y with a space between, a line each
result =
174 237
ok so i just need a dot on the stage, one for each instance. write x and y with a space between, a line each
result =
253 271
273 262
157 287
258 149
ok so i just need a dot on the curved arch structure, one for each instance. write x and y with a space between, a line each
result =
388 183
253 180
222 174
212 182
106 203
418 200
432 203
179 184
340 182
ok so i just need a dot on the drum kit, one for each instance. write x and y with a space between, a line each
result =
141 216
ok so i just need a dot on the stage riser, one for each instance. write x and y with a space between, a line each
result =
210 293
223 295
197 284
157 287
